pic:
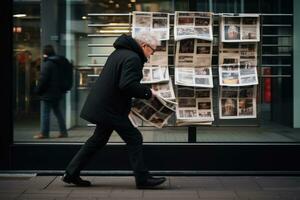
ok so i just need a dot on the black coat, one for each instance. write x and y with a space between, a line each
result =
118 82
49 86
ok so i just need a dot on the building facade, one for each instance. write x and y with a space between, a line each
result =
84 31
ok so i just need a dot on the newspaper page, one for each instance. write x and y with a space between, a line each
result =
160 56
151 21
134 119
156 69
237 102
193 63
193 52
155 74
156 111
238 75
248 54
238 53
193 76
164 90
193 25
194 106
240 28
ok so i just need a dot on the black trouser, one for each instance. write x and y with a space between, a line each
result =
131 136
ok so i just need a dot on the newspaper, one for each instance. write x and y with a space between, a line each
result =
134 119
193 63
193 76
194 106
238 75
193 52
240 28
151 21
165 90
155 74
238 53
193 25
156 69
160 56
237 102
156 111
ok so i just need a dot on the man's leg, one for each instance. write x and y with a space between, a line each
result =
60 119
95 142
45 120
134 140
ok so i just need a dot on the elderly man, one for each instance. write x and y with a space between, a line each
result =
109 104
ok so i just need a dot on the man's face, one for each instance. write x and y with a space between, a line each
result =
148 50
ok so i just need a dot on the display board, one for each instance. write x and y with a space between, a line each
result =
193 45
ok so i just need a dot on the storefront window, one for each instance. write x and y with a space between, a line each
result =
27 62
84 31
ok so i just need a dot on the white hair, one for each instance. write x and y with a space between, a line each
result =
148 37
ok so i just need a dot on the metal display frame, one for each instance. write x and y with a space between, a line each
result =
260 55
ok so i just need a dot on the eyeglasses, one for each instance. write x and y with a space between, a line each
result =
153 50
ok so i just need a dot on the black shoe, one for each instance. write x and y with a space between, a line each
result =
75 180
150 182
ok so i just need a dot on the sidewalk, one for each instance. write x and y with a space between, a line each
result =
176 187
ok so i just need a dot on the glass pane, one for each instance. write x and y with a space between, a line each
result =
87 40
203 5
278 6
27 61
226 6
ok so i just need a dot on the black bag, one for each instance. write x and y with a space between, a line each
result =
65 72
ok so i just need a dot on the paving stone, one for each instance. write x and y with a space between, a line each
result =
244 183
117 193
183 188
217 194
289 194
257 194
265 198
43 195
170 194
37 198
89 193
41 182
170 198
279 183
8 195
216 198
79 198
47 191
195 183
13 185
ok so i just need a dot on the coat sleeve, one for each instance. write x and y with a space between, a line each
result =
44 79
130 77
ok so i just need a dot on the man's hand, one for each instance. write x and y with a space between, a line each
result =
154 93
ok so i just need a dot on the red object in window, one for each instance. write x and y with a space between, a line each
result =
267 86
21 57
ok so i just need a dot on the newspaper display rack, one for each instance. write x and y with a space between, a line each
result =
238 65
193 77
